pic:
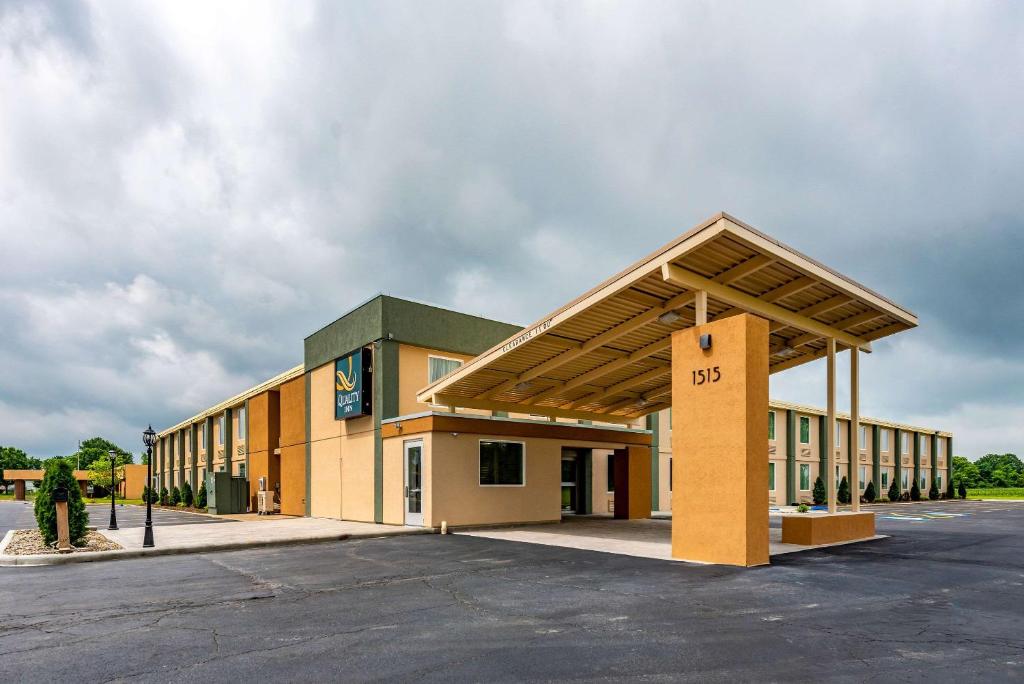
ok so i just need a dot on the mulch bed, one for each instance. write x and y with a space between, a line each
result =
30 542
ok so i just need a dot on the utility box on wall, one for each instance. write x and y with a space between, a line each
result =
226 494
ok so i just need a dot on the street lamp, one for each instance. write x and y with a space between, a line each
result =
113 515
149 439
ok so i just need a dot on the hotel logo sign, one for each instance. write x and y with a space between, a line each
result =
353 385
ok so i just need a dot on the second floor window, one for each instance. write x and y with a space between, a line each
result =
439 366
241 423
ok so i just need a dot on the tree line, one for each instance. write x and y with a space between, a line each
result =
989 471
93 454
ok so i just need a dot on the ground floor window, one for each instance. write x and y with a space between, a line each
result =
885 479
924 479
938 481
905 479
502 463
771 477
863 478
611 473
805 477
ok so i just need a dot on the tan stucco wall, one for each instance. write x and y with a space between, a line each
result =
457 497
412 377
341 456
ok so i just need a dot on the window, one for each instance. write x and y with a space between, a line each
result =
220 430
863 437
611 473
202 434
502 463
438 367
837 478
771 425
805 430
885 440
922 443
839 437
670 473
885 479
771 477
905 443
805 477
938 479
241 469
188 440
938 446
905 479
924 478
241 423
863 475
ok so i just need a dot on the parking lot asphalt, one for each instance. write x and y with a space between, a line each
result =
16 515
938 601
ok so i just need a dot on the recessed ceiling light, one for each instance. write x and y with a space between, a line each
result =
669 317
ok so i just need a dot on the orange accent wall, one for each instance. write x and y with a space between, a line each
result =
292 460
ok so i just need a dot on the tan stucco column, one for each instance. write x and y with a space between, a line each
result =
82 487
19 490
720 442
632 483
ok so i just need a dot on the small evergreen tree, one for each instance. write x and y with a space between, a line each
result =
186 494
201 496
933 491
145 493
950 490
894 491
175 496
915 492
869 492
962 491
60 474
843 495
164 496
819 493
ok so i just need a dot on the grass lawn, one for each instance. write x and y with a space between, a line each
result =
9 496
996 493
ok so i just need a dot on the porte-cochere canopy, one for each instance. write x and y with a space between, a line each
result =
606 356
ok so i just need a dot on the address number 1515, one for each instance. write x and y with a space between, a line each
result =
705 375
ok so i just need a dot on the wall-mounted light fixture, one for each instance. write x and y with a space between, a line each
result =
705 341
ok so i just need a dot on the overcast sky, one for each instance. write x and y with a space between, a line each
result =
189 189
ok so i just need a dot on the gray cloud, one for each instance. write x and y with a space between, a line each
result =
188 190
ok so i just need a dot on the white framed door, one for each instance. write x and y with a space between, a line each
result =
413 460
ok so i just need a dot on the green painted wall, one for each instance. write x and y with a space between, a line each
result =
791 437
652 425
823 451
876 460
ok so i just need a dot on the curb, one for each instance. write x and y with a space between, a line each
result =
128 554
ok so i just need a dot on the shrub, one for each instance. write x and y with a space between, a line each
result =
186 494
905 496
869 492
819 494
175 496
164 496
962 491
950 490
802 508
201 496
145 493
843 495
60 474
933 491
915 492
894 491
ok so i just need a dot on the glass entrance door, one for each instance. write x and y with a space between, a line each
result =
569 476
414 483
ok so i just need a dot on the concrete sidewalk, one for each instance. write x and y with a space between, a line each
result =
202 538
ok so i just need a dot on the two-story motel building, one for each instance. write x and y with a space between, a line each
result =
395 460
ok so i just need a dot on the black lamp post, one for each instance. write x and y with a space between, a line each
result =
113 515
149 439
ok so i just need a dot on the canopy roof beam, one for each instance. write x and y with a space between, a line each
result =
723 293
608 336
